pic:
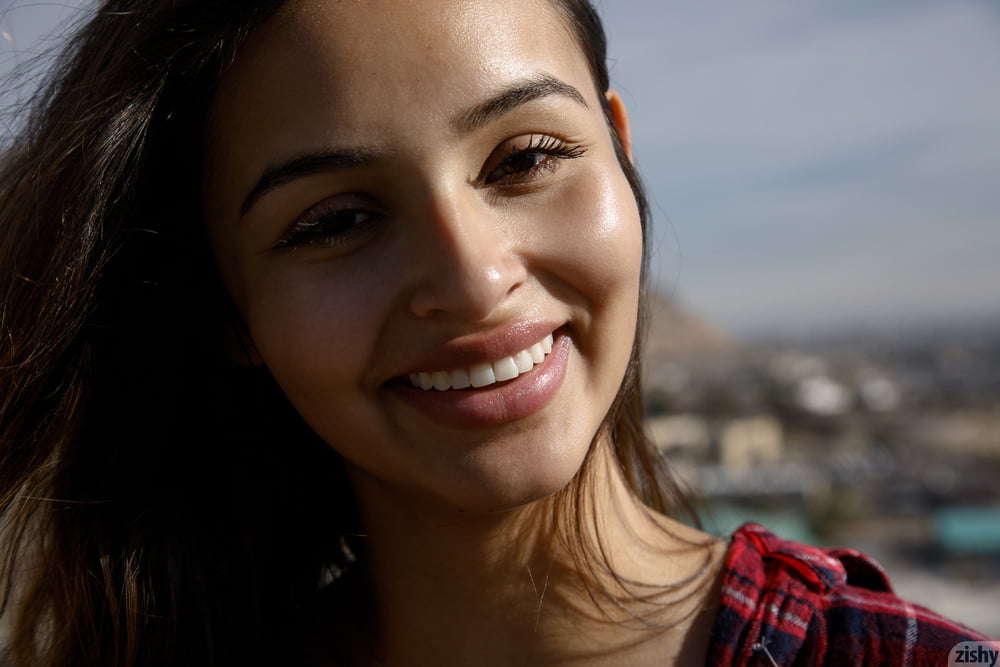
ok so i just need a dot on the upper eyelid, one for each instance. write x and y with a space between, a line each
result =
305 166
315 213
328 202
335 202
543 142
536 140
294 201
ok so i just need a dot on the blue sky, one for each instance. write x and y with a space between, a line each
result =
819 165
812 165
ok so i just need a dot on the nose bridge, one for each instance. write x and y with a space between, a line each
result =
467 263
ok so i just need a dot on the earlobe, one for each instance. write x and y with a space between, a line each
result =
619 117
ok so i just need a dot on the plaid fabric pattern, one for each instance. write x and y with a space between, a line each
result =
785 603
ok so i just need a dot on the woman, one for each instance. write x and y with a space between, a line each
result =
320 341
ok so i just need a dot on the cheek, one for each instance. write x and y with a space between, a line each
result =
615 239
603 252
313 329
594 242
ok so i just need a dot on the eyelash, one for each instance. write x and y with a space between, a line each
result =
325 225
544 145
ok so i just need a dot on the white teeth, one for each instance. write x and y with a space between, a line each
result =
483 375
442 380
460 379
523 361
505 369
426 381
537 353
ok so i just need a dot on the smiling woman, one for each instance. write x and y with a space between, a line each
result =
362 245
321 341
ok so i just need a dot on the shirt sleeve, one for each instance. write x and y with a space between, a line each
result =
785 603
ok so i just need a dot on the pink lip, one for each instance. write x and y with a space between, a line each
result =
497 404
481 348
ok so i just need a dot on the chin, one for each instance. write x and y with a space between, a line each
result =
516 481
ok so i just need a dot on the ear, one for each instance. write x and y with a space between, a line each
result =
619 118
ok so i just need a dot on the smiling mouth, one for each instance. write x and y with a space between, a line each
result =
484 375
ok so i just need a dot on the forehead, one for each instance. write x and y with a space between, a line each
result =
378 71
386 38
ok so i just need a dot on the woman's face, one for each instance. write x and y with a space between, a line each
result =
423 193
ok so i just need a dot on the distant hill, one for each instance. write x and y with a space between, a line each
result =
675 331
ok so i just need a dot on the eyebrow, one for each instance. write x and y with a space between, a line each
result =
305 165
514 96
505 101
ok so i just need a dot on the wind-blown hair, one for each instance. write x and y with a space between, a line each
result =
160 504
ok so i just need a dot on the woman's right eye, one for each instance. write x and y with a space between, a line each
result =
333 224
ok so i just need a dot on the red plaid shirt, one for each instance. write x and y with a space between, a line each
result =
785 603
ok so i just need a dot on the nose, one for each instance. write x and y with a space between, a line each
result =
466 263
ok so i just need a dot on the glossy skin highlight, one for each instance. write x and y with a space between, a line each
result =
459 166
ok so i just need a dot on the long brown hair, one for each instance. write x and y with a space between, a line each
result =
159 505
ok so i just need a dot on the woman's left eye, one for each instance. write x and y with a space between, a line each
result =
539 154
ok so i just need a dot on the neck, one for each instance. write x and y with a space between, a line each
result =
533 585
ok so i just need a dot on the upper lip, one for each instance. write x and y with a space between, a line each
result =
467 351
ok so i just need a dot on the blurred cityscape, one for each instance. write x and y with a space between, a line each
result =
884 442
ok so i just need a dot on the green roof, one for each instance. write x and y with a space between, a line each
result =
968 530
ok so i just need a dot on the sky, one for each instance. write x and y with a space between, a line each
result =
813 166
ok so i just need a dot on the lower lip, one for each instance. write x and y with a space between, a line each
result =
496 405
